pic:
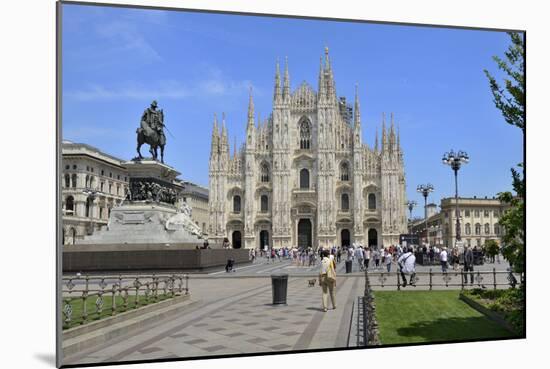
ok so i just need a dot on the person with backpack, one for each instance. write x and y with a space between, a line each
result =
406 263
327 280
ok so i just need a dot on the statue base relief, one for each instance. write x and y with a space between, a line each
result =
145 222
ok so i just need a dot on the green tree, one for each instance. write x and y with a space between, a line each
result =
510 100
491 248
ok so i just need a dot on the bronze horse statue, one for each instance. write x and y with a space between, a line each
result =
154 140
151 132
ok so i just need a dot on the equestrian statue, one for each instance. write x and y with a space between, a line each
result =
151 132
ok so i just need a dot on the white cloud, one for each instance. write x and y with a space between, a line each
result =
213 86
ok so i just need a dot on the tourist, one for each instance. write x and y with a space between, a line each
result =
327 280
406 263
468 264
366 257
443 259
338 254
388 259
359 256
376 258
455 259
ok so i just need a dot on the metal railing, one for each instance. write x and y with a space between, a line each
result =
79 290
459 278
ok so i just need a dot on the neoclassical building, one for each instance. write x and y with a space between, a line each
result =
303 177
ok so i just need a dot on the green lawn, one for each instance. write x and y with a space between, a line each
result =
77 306
430 316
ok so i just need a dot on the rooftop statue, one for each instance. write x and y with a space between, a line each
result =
151 132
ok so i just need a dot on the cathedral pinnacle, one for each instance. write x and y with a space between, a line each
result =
357 113
277 92
384 138
286 83
392 133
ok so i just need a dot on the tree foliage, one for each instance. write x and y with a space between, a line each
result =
491 248
510 100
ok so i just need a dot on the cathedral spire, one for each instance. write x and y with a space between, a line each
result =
215 137
357 113
322 91
398 138
277 93
235 147
224 147
376 140
392 133
384 138
286 83
250 110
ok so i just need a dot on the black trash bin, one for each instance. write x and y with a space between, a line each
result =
279 287
348 266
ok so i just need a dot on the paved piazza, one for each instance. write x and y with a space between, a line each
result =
231 313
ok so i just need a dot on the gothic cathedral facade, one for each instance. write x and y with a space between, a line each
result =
304 178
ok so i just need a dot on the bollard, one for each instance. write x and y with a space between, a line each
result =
279 288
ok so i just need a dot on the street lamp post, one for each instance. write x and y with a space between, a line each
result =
410 204
425 191
455 160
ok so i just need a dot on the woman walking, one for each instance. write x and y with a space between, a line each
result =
327 280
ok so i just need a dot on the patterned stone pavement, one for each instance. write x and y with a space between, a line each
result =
233 316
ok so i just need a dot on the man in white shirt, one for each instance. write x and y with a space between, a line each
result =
359 256
443 259
406 263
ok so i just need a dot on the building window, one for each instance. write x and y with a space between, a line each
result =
486 213
345 202
87 182
468 228
478 229
264 204
74 167
69 206
110 188
236 204
67 167
344 172
467 213
67 180
304 178
102 186
102 172
92 169
118 190
110 175
101 213
372 201
497 229
305 135
89 204
476 213
118 176
487 228
74 180
264 173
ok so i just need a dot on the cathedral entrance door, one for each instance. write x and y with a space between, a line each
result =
305 239
264 239
345 238
236 239
373 237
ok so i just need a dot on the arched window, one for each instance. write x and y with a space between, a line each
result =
478 228
497 229
236 204
87 183
372 201
304 178
345 202
67 180
487 228
305 135
264 205
69 206
468 228
344 171
74 180
91 182
264 173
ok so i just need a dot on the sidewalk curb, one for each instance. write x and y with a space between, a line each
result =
82 338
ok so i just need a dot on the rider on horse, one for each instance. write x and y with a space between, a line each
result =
151 130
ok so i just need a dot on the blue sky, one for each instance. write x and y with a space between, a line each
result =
117 60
